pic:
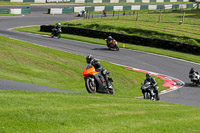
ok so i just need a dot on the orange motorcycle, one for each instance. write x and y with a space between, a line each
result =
95 81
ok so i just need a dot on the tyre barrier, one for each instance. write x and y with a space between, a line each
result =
132 39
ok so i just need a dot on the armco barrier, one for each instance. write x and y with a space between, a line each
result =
132 39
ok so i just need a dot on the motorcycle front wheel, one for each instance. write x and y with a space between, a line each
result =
112 91
90 85
147 95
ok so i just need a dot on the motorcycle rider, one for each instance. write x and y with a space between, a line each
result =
98 67
150 79
192 70
56 30
194 76
58 27
109 40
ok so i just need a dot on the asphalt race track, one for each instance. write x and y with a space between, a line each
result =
188 95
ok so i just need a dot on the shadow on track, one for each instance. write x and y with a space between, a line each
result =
191 85
103 49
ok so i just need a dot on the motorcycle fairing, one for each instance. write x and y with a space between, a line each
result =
89 70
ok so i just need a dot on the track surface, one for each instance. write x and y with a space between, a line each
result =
188 95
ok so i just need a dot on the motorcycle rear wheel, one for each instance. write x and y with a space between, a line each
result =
117 48
90 87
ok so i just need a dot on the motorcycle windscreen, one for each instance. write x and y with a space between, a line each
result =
89 70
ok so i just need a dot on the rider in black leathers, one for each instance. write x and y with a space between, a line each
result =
192 71
154 84
109 39
98 67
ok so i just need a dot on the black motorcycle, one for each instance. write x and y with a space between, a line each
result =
95 81
148 91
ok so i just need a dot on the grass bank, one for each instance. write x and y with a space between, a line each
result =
163 25
188 57
34 64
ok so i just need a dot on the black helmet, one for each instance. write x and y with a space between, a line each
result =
148 75
89 58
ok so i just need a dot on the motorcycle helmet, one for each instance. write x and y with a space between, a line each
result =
59 25
89 59
109 37
148 75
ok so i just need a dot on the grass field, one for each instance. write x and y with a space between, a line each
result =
188 57
148 25
36 112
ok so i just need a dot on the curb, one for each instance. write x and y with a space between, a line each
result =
170 82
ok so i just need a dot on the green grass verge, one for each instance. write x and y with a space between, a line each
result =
188 57
35 112
148 25
8 14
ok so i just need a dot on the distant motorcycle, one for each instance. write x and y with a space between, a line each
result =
81 13
112 45
195 78
148 91
95 81
56 32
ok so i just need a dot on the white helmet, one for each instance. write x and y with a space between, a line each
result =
58 24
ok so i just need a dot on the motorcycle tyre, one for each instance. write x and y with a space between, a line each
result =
112 91
88 87
59 36
117 48
147 95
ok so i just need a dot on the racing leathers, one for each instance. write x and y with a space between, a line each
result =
154 85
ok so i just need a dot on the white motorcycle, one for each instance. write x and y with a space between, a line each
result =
195 78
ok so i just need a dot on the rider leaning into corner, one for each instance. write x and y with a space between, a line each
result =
192 70
150 79
58 26
98 67
109 39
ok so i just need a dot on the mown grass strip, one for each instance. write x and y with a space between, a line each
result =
8 14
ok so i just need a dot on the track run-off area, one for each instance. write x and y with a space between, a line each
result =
182 92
